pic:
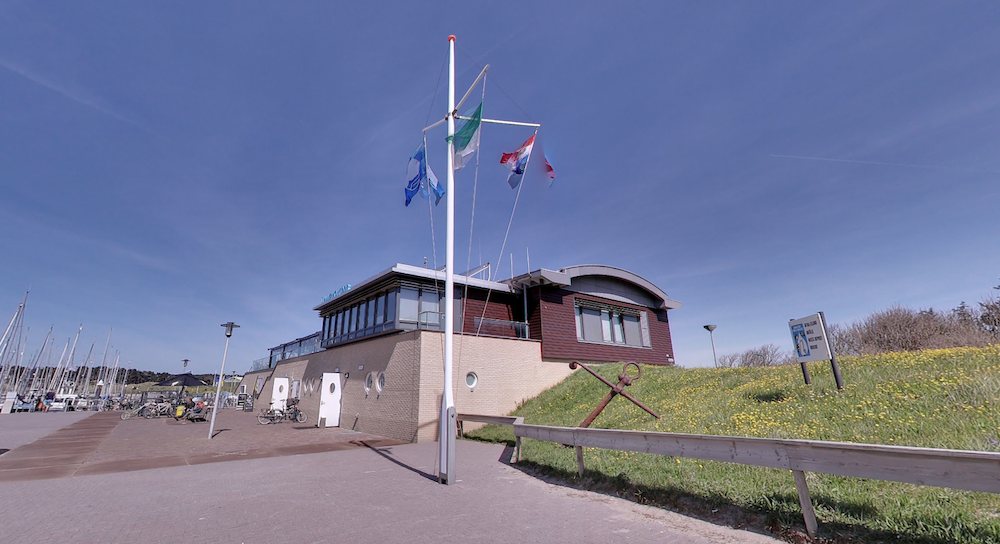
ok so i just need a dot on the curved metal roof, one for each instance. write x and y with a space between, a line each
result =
624 275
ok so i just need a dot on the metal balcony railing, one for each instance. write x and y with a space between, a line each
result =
499 327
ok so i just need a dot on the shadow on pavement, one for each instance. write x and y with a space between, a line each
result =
387 455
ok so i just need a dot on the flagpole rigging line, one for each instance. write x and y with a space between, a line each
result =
454 112
513 209
437 86
504 245
499 122
471 88
472 224
499 88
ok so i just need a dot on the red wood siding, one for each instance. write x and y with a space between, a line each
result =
502 306
557 328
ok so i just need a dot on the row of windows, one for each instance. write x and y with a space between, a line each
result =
397 308
612 326
366 317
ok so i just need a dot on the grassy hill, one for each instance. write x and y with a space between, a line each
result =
940 398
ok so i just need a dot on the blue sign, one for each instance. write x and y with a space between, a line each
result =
799 337
337 293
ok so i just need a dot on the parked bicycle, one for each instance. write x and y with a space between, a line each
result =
273 415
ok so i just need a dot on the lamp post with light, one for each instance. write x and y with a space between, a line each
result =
222 372
711 328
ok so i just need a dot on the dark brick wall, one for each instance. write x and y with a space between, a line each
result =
556 327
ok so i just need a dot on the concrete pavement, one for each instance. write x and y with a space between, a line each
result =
364 494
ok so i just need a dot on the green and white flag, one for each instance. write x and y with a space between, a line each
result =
467 138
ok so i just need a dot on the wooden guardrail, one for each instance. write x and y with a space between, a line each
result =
955 469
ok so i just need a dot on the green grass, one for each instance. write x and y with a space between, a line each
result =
941 398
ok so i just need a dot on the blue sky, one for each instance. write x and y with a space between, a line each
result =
167 167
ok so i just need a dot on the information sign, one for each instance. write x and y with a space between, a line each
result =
812 344
809 339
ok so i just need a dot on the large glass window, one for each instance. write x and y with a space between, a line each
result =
408 304
352 319
611 325
430 301
380 309
592 325
370 320
633 336
390 306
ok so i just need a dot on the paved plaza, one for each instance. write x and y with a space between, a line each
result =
292 483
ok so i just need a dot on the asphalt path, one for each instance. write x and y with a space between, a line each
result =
364 494
21 428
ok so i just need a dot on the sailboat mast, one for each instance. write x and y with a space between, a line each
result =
53 386
79 373
448 421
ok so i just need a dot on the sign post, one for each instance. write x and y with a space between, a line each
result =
813 344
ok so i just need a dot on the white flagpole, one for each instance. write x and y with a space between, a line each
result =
448 422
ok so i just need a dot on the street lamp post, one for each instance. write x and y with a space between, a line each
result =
222 372
711 328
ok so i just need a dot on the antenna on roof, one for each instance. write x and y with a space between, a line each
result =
528 257
425 262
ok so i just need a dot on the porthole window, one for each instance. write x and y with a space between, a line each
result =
380 382
333 387
281 388
471 379
369 382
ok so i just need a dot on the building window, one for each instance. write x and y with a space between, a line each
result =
590 320
633 336
369 382
409 304
390 306
380 309
380 382
370 320
471 380
606 324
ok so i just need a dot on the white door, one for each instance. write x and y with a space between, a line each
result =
279 394
329 399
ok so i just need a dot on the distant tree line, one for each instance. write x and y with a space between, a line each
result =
895 329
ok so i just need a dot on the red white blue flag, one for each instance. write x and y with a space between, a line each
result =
517 161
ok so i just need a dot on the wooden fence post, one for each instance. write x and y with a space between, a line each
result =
808 514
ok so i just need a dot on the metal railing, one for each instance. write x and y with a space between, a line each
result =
430 321
955 469
260 364
500 327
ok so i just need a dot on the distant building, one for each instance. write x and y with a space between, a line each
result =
376 365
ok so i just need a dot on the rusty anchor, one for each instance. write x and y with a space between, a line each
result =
624 380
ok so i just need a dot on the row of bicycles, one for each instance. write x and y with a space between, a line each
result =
150 410
290 413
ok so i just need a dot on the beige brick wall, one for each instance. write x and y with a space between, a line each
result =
508 372
293 369
391 412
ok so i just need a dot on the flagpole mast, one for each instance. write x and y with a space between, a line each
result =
448 422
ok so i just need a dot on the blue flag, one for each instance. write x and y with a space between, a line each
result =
420 178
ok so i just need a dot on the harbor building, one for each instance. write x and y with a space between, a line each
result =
376 364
